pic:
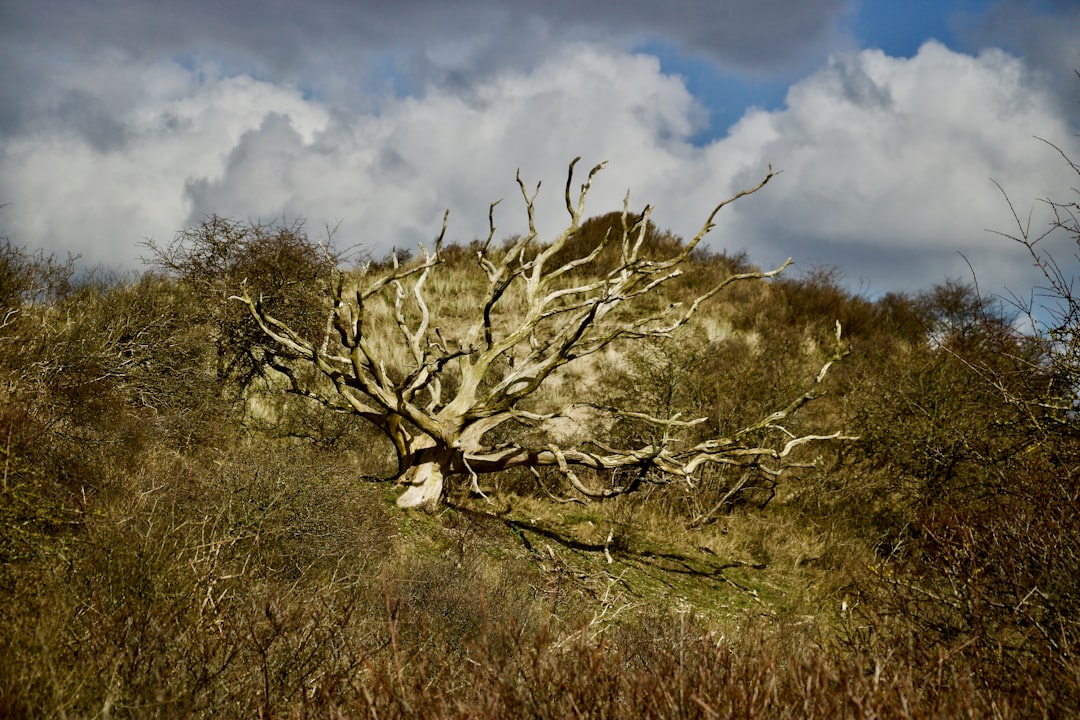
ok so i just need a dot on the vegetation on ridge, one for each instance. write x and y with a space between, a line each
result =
178 537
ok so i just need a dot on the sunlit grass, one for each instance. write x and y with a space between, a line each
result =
178 546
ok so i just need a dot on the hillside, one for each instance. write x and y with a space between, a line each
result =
180 537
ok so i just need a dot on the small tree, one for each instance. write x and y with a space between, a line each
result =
987 570
1053 307
461 398
279 261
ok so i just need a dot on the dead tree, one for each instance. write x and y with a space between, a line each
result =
442 395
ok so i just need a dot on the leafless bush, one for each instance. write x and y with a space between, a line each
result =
987 570
278 263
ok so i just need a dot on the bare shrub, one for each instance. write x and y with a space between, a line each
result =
237 586
278 263
987 570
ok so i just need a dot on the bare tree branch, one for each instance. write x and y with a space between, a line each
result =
438 391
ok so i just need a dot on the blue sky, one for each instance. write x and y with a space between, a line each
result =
122 120
725 95
897 28
900 28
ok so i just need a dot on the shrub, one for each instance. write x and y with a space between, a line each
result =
278 263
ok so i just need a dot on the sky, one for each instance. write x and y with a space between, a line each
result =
890 123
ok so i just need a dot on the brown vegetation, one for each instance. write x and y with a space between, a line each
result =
178 538
462 389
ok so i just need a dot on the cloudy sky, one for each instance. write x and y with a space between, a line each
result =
123 120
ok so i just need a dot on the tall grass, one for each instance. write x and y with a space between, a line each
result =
166 552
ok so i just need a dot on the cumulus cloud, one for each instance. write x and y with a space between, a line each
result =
888 165
186 142
67 189
886 161
1043 32
389 176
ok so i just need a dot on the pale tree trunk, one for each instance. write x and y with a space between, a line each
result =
423 479
423 486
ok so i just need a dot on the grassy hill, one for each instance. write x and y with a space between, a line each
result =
180 538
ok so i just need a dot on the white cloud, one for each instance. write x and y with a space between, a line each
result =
886 162
389 176
70 193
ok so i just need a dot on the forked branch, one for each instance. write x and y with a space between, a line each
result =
439 385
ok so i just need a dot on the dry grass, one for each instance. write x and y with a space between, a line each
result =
180 558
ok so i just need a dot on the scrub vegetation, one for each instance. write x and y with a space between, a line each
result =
200 517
